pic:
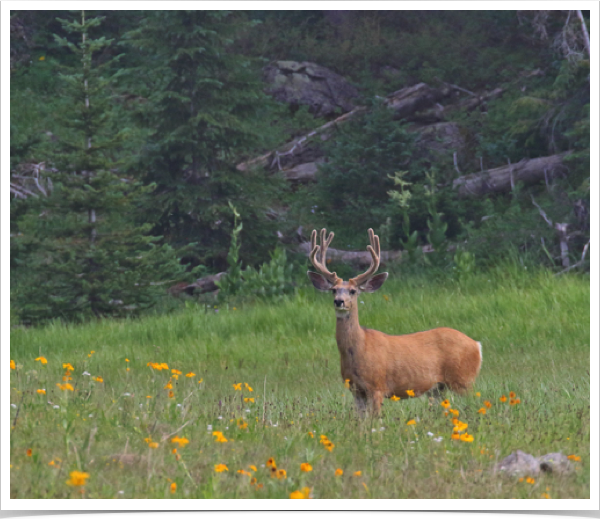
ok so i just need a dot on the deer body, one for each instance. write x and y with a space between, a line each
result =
380 366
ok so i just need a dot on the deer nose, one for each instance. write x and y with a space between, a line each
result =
338 302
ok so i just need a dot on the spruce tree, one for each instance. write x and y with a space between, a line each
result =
79 254
204 107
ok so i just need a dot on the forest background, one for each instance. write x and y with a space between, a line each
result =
128 129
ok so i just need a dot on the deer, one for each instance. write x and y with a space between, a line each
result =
376 365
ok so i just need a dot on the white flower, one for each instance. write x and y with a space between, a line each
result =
85 374
246 410
382 428
179 405
56 407
438 439
429 433
121 491
13 405
126 394
373 430
226 428
362 302
91 415
209 427
219 417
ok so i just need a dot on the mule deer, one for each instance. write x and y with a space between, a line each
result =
378 365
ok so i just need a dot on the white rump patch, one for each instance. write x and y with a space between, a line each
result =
480 353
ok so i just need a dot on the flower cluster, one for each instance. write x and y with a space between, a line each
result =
326 443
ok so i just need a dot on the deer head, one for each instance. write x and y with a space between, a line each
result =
344 292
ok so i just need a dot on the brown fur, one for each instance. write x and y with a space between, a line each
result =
380 366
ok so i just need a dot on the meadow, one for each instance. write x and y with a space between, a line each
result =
248 402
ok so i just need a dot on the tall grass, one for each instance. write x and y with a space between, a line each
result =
534 328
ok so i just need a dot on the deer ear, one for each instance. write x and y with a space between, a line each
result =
374 283
319 282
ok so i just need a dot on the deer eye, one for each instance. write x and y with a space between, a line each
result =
333 291
352 292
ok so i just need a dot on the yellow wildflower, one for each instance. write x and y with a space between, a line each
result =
67 366
483 410
301 494
394 398
310 434
339 472
44 361
153 445
358 473
252 467
347 383
65 387
306 467
455 436
411 422
175 372
410 392
445 404
237 387
328 445
41 391
271 463
512 394
219 438
42 58
169 385
281 474
164 365
487 404
243 472
248 387
242 424
221 467
190 374
478 393
466 437
545 495
12 364
78 479
173 487
531 481
574 457
454 412
249 399
99 379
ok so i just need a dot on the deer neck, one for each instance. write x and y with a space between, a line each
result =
349 335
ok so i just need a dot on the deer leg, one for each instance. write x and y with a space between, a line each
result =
376 401
360 400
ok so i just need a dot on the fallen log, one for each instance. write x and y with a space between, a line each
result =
502 179
200 286
355 258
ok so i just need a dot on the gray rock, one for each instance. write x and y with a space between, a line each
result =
518 463
309 84
555 463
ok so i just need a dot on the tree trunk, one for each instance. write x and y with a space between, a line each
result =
501 180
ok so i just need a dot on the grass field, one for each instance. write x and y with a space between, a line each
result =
535 332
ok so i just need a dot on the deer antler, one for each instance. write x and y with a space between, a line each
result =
320 265
375 251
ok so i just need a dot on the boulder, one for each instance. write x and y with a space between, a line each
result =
441 140
556 463
304 83
518 463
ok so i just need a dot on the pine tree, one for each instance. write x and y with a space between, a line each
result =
79 253
202 105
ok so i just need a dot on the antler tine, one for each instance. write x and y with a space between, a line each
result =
321 264
375 249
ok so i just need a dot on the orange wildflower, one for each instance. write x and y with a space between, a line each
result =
512 394
153 445
173 487
99 379
466 437
445 404
410 392
29 452
44 361
249 399
515 401
78 479
65 387
310 434
281 474
12 364
244 473
221 467
339 472
411 422
301 494
190 374
41 391
574 457
394 398
483 410
237 387
306 467
171 394
328 445
252 467
347 383
503 399
358 473
182 442
487 404
271 463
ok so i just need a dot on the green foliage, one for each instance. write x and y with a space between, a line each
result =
76 253
204 107
230 284
355 180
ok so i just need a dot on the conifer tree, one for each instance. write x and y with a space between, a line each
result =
79 254
202 105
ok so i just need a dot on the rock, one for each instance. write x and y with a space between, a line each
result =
555 463
519 464
441 140
306 83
